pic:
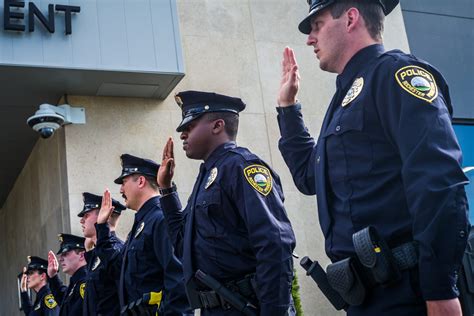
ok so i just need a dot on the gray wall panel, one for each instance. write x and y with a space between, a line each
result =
158 9
140 33
113 35
463 8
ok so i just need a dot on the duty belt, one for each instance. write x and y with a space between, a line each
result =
245 287
347 281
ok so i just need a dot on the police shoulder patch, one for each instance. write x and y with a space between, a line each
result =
49 301
82 289
260 178
417 81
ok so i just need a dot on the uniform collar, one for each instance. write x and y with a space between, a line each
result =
43 291
217 153
149 205
78 275
358 62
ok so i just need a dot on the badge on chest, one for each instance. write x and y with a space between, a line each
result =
211 178
354 91
140 229
96 263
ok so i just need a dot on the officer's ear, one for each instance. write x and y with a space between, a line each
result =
353 17
218 126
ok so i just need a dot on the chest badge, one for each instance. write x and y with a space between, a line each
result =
354 91
259 178
140 229
96 263
49 301
418 82
211 178
82 290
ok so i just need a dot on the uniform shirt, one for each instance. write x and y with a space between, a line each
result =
386 156
147 262
101 295
235 224
45 303
72 296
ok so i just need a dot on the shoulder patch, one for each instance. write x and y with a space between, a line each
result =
260 178
418 82
82 289
49 301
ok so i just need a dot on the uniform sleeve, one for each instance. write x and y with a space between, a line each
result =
174 299
270 233
25 303
107 250
57 288
298 148
175 219
421 131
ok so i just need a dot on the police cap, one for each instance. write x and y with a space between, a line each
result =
194 104
37 263
70 242
92 202
317 5
136 165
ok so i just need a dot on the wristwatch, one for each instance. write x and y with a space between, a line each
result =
168 190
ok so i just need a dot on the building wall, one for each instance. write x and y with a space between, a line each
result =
230 47
36 210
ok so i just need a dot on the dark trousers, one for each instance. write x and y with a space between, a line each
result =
401 299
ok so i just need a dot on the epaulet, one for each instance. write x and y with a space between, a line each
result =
244 153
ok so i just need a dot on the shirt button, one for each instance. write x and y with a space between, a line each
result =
462 234
318 159
338 128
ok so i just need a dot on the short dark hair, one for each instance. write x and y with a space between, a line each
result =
231 122
151 180
371 11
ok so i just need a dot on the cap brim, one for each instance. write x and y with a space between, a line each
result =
119 180
186 121
305 25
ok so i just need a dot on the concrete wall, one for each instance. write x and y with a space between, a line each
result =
230 47
35 212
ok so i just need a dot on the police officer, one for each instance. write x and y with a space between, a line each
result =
234 227
73 263
101 296
35 277
146 264
386 157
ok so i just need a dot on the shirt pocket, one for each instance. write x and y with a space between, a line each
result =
209 217
349 149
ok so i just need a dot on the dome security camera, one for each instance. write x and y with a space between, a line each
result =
49 118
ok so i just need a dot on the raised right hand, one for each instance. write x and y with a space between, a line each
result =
24 277
290 79
166 171
106 208
53 265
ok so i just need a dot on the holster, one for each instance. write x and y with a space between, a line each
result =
345 279
374 254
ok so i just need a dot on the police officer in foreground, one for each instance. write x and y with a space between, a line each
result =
101 295
146 265
73 263
386 167
35 277
234 228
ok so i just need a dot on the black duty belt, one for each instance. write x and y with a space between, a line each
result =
245 287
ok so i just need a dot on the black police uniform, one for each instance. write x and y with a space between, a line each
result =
147 262
71 297
101 295
234 224
386 157
45 304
